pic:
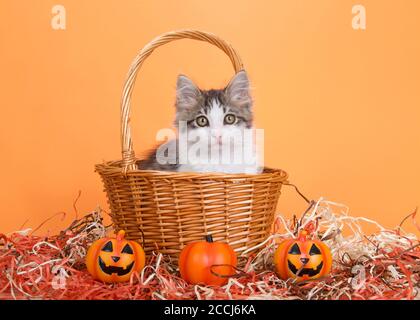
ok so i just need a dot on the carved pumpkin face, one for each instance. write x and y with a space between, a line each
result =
302 259
114 259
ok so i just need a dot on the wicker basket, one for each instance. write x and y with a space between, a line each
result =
172 209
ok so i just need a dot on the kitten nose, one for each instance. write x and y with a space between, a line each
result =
217 137
115 259
304 260
216 133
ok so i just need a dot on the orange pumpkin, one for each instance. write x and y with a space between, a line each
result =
199 259
114 259
302 259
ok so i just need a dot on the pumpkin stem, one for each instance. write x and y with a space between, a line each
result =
120 235
302 235
209 238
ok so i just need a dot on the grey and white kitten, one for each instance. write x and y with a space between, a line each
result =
210 115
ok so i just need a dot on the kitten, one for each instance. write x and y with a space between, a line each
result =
209 117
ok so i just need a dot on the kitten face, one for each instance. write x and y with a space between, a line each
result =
212 115
214 120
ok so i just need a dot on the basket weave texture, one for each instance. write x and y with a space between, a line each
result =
172 209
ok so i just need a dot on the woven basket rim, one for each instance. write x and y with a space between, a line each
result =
117 167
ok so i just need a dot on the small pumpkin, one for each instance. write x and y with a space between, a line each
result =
302 259
207 262
114 259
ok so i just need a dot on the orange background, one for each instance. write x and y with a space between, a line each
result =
340 107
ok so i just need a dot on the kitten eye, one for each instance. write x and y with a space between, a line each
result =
201 121
230 119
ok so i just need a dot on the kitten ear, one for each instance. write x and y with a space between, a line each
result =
187 93
238 92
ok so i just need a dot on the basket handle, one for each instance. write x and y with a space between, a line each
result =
128 155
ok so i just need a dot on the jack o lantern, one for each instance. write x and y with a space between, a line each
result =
207 262
114 259
302 259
